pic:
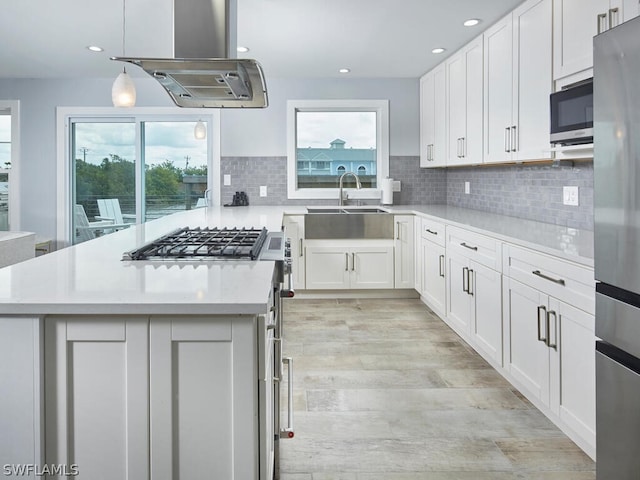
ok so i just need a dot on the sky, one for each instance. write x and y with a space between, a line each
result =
163 141
319 129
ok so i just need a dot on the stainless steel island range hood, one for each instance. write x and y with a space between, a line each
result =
203 74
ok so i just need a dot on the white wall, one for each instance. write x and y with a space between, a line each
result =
244 132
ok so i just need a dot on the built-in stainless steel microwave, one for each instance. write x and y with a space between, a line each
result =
572 114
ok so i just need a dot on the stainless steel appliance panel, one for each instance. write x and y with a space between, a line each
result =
617 420
617 156
618 323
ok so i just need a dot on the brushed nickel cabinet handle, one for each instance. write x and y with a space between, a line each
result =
397 230
475 249
464 147
465 279
346 265
470 282
507 136
559 281
514 139
553 345
601 18
301 249
441 266
541 309
430 231
353 262
614 12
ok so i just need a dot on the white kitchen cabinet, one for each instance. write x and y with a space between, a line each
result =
344 265
294 230
474 294
404 251
464 73
433 148
158 398
518 81
433 282
550 339
576 22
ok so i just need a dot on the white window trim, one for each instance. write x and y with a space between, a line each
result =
14 172
63 186
381 107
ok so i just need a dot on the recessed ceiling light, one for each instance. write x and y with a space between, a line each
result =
242 49
472 22
438 50
344 70
95 48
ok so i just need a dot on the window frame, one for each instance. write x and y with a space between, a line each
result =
380 107
66 115
13 107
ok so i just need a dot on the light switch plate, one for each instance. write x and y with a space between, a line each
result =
396 186
227 180
263 190
570 196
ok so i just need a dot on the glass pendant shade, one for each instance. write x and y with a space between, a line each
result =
200 131
123 92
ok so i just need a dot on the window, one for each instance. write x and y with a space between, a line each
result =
132 169
335 137
9 145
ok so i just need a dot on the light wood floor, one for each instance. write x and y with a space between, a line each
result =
383 389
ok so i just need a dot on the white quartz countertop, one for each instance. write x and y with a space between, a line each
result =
91 277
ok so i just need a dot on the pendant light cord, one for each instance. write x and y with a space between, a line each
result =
124 29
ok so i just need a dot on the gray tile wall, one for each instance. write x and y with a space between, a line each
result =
533 192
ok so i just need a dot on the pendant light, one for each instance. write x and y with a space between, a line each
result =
200 131
123 91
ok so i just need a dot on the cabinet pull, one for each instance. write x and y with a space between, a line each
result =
538 273
346 265
397 230
431 232
353 262
475 249
470 282
463 146
614 12
514 139
541 309
441 266
301 249
553 345
465 279
601 19
506 139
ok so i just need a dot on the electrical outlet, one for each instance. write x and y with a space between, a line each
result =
570 196
467 188
227 180
263 190
396 186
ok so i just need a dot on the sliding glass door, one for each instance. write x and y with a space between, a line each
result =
131 170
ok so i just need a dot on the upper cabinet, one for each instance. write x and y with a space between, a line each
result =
575 24
464 105
433 149
518 81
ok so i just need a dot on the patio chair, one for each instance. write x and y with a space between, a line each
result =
110 210
86 230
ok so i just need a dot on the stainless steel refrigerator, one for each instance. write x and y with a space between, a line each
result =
616 86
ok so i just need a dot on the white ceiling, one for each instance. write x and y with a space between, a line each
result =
290 38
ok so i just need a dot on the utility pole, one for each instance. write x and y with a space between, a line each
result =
84 151
186 165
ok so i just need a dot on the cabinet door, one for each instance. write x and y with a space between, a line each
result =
433 276
573 387
526 357
472 146
533 81
371 267
458 299
404 252
631 8
96 395
456 108
439 157
203 390
498 91
294 229
486 329
427 118
327 267
575 23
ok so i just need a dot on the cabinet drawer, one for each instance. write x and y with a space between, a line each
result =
566 281
433 231
480 248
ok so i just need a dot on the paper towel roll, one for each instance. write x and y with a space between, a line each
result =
387 191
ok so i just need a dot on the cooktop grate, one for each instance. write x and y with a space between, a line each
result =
203 243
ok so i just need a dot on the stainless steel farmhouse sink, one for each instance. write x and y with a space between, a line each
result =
347 222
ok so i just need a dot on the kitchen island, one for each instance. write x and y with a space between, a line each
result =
124 369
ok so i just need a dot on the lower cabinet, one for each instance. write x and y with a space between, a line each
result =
550 353
404 251
161 397
433 275
346 265
474 305
294 230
